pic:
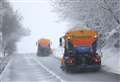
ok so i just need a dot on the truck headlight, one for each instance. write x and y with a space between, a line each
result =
95 36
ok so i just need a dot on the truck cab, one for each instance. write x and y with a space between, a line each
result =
80 50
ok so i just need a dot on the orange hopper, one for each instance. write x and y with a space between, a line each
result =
82 37
44 42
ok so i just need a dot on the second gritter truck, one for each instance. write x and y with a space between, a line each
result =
80 48
44 47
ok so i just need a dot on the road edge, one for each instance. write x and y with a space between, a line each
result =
5 68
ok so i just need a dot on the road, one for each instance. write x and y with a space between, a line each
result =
29 68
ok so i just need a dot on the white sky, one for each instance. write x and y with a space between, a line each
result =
40 20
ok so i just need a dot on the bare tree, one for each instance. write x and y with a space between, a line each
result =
102 15
12 30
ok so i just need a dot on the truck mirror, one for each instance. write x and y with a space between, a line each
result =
60 41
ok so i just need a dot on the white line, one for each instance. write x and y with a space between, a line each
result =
48 70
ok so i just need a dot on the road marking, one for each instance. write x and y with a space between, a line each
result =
48 70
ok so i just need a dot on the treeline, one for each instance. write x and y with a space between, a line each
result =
102 15
11 29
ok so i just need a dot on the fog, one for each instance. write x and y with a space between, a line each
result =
39 18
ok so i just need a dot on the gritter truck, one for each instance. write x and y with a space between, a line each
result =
44 48
80 48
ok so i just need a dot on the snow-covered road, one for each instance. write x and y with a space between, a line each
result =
23 68
29 68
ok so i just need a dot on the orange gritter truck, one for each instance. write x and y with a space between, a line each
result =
44 48
80 48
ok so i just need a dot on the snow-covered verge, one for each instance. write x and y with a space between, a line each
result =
110 59
3 62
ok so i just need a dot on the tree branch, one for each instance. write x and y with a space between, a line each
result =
112 13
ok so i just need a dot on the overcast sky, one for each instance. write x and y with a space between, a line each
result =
40 20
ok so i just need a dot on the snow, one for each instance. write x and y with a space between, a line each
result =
112 32
110 59
58 52
25 68
30 68
3 62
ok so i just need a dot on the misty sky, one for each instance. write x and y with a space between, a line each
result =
40 20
